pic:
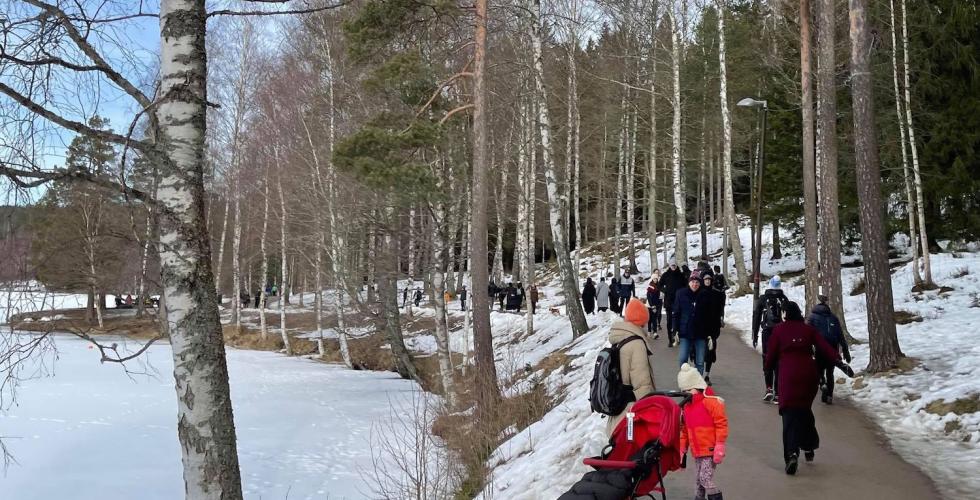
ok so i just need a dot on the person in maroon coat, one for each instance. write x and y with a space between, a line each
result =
792 346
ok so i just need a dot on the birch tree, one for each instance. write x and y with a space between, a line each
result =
923 234
680 195
731 221
911 202
556 198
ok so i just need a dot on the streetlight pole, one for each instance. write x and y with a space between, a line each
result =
749 102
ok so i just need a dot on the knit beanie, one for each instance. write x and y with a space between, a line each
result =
637 313
689 378
775 282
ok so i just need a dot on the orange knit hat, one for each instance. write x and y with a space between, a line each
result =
637 313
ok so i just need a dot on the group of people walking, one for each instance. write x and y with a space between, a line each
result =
511 298
799 358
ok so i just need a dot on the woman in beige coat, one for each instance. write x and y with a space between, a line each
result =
633 362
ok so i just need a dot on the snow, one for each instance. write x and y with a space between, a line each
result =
530 465
304 428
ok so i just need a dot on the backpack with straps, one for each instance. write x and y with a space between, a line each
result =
607 392
772 313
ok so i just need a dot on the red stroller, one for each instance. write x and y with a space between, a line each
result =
643 448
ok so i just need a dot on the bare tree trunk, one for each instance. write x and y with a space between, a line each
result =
525 149
556 199
236 251
620 166
388 296
631 193
810 242
498 253
885 351
680 195
206 427
221 249
439 239
652 165
923 235
284 288
909 195
776 252
264 273
488 392
731 221
830 241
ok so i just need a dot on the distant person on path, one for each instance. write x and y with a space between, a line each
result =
654 304
671 281
704 430
690 315
405 296
520 296
129 301
462 298
589 296
118 301
721 284
767 314
258 298
602 295
245 298
826 322
634 365
502 294
627 289
532 294
686 271
492 292
418 296
614 304
714 304
792 346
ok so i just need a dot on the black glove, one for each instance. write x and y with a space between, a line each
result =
846 368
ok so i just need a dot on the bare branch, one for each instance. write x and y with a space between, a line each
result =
309 10
454 111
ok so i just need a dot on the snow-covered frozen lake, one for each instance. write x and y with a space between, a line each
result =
89 431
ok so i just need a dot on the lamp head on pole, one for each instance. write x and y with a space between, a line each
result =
749 102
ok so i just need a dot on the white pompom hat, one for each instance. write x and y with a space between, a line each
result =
689 378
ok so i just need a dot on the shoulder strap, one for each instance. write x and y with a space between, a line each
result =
621 343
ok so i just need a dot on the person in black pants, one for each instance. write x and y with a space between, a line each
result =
671 281
826 322
462 298
654 304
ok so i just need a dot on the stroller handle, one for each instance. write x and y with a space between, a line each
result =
609 464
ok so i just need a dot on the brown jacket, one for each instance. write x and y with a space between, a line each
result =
633 364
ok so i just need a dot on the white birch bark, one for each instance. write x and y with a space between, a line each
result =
205 425
264 273
652 168
524 150
731 222
923 235
556 198
221 248
909 195
620 166
631 192
680 195
284 288
440 261
236 252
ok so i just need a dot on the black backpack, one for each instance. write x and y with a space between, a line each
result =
772 313
607 392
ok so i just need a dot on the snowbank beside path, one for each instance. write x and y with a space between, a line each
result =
304 428
543 460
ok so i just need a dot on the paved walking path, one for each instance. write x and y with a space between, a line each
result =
852 462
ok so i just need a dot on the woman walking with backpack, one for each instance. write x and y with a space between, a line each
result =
634 366
792 345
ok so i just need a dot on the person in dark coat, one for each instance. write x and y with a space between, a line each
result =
418 296
588 296
462 298
512 299
627 289
245 298
671 281
766 315
492 291
792 345
721 284
258 298
614 303
714 303
690 316
826 322
502 294
654 304
405 296
532 294
686 271
521 296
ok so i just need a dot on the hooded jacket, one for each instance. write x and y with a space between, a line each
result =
826 322
704 425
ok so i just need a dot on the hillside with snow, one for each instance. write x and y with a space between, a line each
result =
929 413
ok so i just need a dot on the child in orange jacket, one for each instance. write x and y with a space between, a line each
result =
704 430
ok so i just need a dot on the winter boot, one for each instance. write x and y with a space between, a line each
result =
809 455
792 463
707 379
716 496
769 397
